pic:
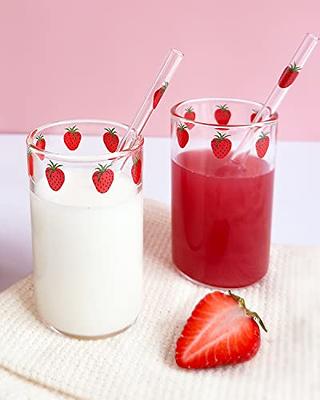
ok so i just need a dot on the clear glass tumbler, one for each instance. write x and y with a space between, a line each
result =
87 227
221 208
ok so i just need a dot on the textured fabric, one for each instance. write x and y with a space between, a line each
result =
139 364
14 387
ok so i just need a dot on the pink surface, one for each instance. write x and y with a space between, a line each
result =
70 58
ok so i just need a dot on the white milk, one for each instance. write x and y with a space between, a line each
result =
87 254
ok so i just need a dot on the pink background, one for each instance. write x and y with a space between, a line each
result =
96 58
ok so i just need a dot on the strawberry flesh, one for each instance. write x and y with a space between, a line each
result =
219 332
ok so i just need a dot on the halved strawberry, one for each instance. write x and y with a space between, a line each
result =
220 331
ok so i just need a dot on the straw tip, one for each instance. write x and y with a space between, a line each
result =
313 36
177 52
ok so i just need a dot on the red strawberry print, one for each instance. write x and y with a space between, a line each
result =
103 178
253 115
40 144
222 114
220 145
262 145
72 138
289 75
111 139
55 176
30 163
158 94
220 331
136 170
190 114
33 133
182 135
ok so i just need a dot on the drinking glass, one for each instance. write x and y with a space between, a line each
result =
221 208
87 227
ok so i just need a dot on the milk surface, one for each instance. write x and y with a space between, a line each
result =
87 254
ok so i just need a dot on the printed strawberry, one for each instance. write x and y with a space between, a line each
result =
103 178
30 163
136 171
55 176
253 115
40 144
158 94
111 139
190 114
262 145
220 331
220 145
72 137
289 75
33 133
222 114
182 135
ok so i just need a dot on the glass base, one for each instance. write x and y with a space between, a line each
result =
184 275
80 337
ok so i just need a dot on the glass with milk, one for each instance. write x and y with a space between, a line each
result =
87 227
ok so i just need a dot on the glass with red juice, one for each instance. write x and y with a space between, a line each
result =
221 209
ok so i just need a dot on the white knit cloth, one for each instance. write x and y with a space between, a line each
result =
139 364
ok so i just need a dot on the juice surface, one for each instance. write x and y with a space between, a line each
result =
221 218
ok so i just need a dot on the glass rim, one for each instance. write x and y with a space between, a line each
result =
271 120
94 158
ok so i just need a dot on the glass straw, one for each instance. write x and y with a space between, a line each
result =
275 98
152 99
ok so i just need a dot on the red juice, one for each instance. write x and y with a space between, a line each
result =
221 218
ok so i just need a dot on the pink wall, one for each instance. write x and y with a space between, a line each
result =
96 58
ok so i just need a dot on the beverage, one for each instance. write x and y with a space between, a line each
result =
221 218
87 254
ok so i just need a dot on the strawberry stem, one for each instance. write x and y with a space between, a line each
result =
181 126
135 160
221 136
40 137
165 85
102 168
263 135
223 107
189 109
53 166
249 313
111 130
294 67
72 129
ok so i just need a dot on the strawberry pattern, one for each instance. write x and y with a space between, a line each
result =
55 176
221 145
262 144
102 177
